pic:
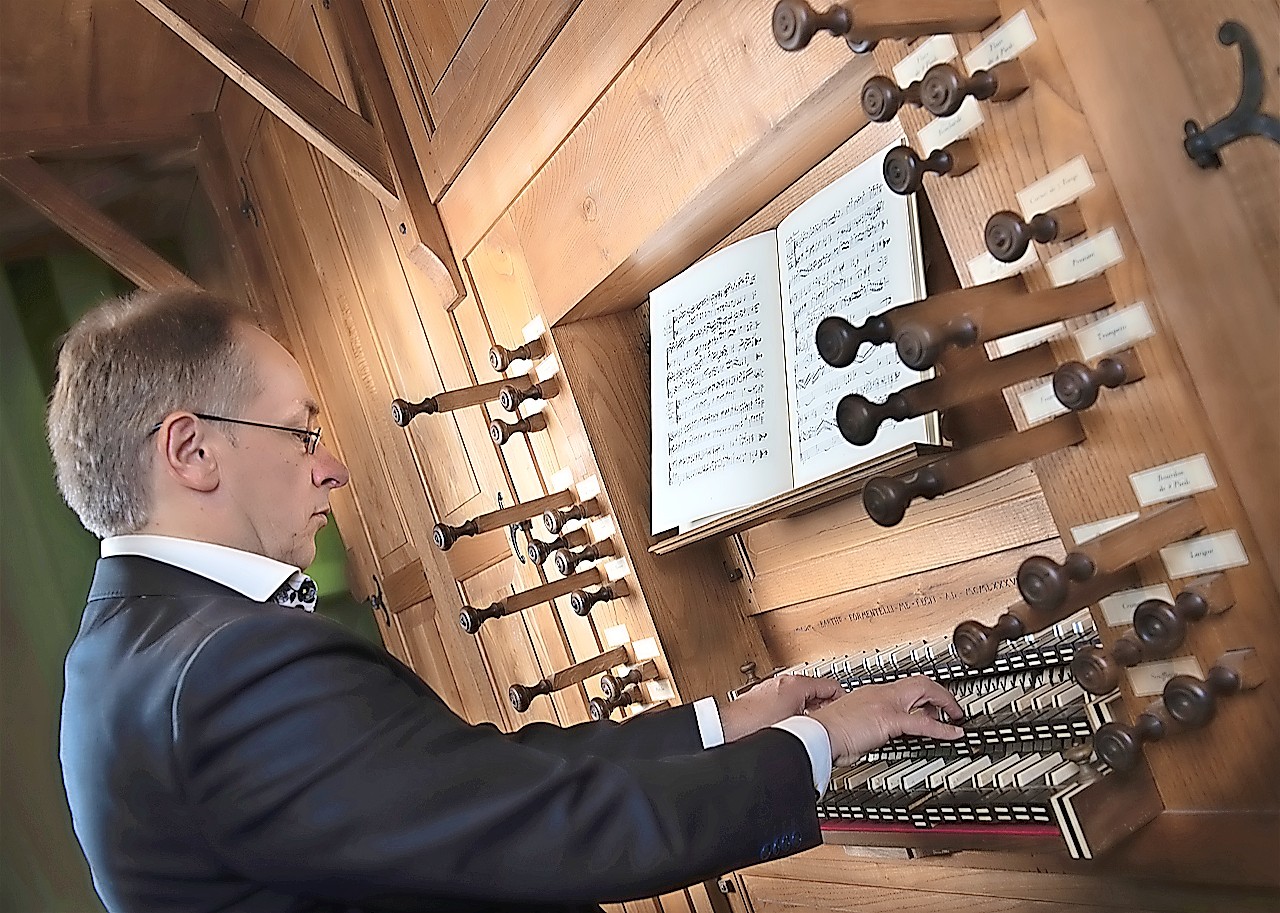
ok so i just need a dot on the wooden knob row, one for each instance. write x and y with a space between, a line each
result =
1008 235
521 696
445 535
1186 703
472 617
601 708
942 90
1159 630
904 169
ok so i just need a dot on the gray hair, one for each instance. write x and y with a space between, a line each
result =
122 368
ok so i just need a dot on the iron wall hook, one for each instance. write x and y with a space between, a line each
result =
1246 119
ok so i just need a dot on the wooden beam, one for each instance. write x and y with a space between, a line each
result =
284 88
20 224
97 140
222 186
421 236
101 235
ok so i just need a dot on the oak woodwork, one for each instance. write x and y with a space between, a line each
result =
122 137
472 618
795 22
1193 702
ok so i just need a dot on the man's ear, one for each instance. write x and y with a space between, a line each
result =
184 450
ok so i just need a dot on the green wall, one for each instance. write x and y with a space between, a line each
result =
46 563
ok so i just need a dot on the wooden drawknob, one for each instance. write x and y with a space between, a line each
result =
943 88
796 22
1098 671
444 535
540 552
471 618
1162 626
1008 235
601 708
500 358
582 601
838 340
886 498
521 696
859 419
403 411
1193 702
501 431
1076 385
567 560
1044 583
1119 746
510 396
920 345
977 645
611 686
904 169
882 98
556 520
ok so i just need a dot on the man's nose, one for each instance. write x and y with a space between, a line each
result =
327 470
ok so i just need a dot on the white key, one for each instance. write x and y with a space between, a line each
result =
987 777
1002 700
894 779
1007 777
1037 772
1045 701
1062 773
861 774
921 774
1072 695
877 781
1027 701
958 778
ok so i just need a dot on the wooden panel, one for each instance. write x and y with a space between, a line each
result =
497 54
594 46
287 90
610 193
839 548
69 63
435 32
918 607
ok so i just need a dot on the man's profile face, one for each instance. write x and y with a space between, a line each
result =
279 492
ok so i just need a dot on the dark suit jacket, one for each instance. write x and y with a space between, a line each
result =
223 754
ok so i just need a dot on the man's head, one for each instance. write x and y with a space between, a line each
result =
164 358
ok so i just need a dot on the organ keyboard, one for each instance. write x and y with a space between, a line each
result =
1027 741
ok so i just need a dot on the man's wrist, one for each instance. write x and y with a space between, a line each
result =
817 743
710 722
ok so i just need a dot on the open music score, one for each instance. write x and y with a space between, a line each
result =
739 417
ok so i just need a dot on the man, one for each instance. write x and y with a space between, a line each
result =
223 749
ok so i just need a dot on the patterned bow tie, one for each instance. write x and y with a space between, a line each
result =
298 591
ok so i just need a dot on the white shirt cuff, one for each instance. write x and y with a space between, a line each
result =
709 725
817 742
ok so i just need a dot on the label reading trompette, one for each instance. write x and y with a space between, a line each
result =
1204 554
1118 608
938 49
1115 332
1173 480
1057 188
1005 43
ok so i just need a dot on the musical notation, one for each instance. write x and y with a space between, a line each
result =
848 251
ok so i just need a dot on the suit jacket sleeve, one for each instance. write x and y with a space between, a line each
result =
658 734
310 765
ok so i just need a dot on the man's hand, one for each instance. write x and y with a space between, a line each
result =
774 700
873 714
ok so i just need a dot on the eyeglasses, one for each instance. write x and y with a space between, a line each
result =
309 437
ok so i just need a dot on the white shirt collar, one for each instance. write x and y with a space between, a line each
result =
255 576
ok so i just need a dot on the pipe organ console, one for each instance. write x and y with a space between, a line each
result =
1094 575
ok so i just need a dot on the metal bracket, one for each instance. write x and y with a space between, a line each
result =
1246 118
247 209
379 602
524 526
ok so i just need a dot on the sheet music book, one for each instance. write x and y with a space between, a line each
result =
743 408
